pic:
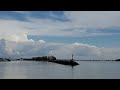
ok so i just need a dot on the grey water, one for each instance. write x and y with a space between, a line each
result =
49 70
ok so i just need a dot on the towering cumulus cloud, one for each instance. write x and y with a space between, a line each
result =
38 48
60 50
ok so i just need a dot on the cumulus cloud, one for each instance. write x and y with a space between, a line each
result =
13 30
59 50
78 49
14 40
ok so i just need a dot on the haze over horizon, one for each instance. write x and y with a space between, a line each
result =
86 34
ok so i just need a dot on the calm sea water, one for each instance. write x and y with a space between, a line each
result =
49 70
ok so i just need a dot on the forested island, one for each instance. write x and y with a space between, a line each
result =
53 59
45 58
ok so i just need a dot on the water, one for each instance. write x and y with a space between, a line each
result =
49 70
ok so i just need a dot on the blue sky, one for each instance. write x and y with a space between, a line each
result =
87 31
37 14
98 40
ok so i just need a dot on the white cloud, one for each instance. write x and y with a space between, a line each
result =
13 30
94 19
110 53
42 41
78 24
16 43
22 12
60 50
2 48
78 50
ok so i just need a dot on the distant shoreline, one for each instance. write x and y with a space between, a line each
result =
80 60
61 59
49 58
97 60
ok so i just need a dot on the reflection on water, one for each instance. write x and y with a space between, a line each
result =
49 70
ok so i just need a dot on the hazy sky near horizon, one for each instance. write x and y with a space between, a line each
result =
87 34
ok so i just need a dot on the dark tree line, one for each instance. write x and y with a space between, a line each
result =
44 58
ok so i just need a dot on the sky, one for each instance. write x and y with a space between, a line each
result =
86 34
